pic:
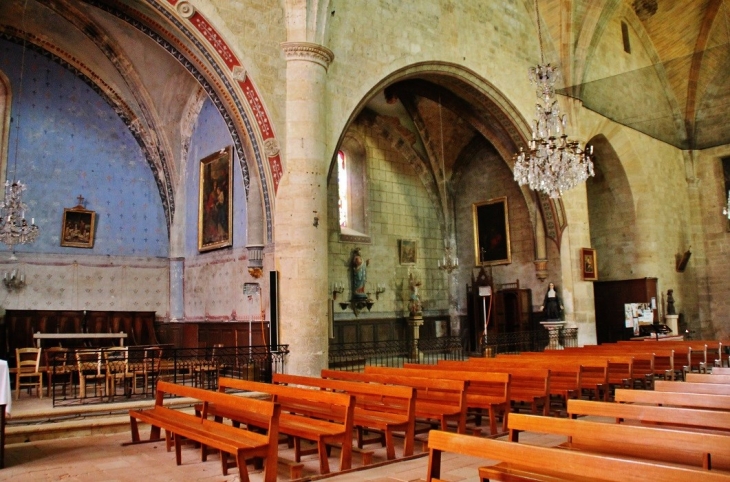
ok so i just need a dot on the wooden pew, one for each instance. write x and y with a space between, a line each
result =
437 400
568 377
620 366
325 418
709 451
383 408
242 444
485 391
667 416
673 399
526 385
707 378
687 387
531 462
651 361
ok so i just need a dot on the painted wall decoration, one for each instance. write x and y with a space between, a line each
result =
64 149
491 232
215 208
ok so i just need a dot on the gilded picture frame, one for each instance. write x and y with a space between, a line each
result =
215 202
408 253
491 232
588 264
78 228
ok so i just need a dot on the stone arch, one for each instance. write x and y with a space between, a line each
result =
5 103
496 118
611 213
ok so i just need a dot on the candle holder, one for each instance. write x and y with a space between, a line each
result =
14 281
380 288
337 288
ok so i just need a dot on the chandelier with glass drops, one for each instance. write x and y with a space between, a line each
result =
553 164
14 229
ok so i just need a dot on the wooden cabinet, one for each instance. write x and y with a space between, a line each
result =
609 299
512 310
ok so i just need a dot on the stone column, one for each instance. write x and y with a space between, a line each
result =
177 295
301 212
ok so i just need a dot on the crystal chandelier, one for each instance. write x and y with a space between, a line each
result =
553 163
14 229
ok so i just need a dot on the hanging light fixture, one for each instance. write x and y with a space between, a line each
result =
14 229
449 262
553 163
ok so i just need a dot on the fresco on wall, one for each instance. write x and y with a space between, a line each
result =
71 141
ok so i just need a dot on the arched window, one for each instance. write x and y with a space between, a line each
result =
352 191
343 199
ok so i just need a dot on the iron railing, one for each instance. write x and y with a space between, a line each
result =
393 353
98 375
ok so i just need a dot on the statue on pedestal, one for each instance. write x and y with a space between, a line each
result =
414 305
670 303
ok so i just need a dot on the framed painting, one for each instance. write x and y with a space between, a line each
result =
215 204
408 253
491 232
77 228
589 266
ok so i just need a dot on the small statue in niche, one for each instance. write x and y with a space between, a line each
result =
670 303
359 275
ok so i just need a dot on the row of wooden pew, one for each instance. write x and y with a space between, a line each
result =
677 430
409 401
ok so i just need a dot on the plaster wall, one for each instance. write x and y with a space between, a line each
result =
71 143
399 209
213 281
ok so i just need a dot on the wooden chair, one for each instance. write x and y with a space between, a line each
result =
116 361
88 365
147 369
29 361
57 366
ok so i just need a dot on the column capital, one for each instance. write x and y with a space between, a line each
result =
308 51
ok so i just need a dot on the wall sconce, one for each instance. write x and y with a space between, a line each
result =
13 280
358 304
380 288
337 288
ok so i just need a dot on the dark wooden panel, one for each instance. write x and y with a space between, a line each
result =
609 300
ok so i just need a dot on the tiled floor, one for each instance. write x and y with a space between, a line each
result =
105 458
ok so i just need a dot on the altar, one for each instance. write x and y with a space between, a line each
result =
121 336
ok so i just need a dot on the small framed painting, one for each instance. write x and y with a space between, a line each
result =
589 267
215 216
77 228
408 254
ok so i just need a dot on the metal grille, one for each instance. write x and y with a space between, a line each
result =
135 377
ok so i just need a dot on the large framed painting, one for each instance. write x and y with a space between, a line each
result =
589 265
491 232
77 228
215 209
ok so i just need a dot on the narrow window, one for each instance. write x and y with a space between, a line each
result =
343 201
625 35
